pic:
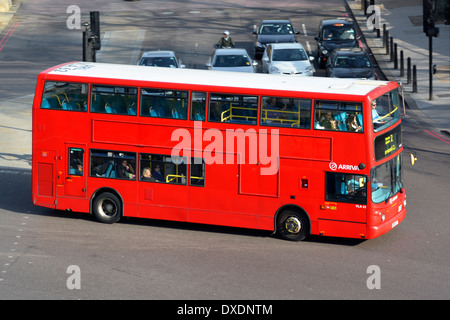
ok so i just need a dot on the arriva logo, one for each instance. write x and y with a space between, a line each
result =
334 166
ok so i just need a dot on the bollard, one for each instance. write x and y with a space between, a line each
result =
365 6
408 70
384 34
391 44
414 79
395 57
402 64
387 41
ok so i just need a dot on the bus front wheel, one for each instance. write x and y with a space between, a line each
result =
293 225
107 208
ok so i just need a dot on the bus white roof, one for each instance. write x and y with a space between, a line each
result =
216 78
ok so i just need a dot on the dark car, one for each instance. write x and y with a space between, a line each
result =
333 34
350 63
273 31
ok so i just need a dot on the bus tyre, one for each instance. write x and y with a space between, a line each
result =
292 225
107 208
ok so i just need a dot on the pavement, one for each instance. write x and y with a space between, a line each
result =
402 19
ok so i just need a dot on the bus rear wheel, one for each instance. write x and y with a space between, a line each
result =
293 225
107 208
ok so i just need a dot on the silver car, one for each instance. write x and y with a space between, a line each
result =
287 58
160 58
231 60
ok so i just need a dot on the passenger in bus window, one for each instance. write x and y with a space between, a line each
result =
272 106
147 175
352 124
157 173
125 170
328 122
215 112
79 169
76 168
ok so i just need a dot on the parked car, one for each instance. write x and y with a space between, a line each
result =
231 60
287 58
350 63
160 58
273 31
333 34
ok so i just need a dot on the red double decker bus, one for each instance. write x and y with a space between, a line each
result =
295 155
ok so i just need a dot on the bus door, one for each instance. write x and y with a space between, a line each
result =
45 192
75 178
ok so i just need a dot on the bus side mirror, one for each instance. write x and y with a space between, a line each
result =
413 159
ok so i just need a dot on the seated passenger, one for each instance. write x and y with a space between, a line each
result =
157 173
125 170
328 122
147 175
352 124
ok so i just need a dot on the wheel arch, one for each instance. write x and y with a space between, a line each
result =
102 190
292 207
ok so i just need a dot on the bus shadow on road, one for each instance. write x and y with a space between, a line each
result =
254 233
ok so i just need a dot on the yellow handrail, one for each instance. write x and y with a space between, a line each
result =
58 99
224 118
281 120
387 115
171 177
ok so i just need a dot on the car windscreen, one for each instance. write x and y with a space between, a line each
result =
289 55
232 60
169 62
339 33
353 61
276 28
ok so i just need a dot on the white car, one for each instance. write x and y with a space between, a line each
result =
231 60
287 58
160 58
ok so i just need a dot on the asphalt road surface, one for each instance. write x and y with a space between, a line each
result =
47 254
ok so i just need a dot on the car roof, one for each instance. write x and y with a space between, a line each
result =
294 45
158 53
226 52
276 21
330 21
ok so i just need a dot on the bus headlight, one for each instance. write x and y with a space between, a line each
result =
383 217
